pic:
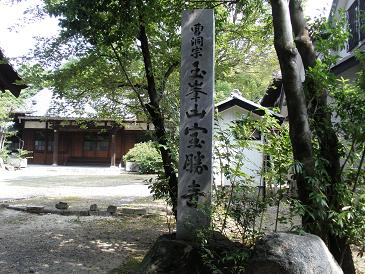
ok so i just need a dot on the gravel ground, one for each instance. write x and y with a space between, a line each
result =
78 182
50 243
31 243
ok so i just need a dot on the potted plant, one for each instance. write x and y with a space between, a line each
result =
130 163
19 159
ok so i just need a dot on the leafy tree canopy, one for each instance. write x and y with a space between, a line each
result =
97 56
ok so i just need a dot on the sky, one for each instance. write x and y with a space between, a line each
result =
17 30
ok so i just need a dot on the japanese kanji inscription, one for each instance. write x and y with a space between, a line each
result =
196 122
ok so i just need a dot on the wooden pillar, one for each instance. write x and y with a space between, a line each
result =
112 151
55 147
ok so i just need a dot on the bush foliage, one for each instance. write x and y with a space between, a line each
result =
146 156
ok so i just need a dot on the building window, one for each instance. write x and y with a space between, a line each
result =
89 143
96 142
39 141
50 145
355 18
102 145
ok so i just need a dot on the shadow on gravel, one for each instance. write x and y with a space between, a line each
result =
67 244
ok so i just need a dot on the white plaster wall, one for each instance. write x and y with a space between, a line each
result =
343 5
253 158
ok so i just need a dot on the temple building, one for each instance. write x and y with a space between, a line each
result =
67 140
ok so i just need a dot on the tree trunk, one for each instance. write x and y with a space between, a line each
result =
318 109
328 141
300 134
153 108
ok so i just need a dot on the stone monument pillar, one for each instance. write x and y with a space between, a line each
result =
196 123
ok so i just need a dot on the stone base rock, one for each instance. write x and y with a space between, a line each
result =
286 253
171 256
62 205
112 209
94 207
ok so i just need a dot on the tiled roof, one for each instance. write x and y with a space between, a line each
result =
9 78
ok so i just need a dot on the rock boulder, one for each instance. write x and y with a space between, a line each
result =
171 256
111 209
62 205
286 253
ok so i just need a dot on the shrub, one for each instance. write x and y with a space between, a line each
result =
146 156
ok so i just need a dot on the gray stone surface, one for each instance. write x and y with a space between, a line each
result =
94 207
111 209
133 211
62 205
35 209
196 122
285 253
17 207
169 256
94 213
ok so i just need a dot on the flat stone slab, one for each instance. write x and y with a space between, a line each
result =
133 211
100 213
17 207
42 210
35 209
67 212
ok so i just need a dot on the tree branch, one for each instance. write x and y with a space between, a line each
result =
300 134
128 85
127 77
318 109
153 95
359 169
353 143
167 74
154 110
302 39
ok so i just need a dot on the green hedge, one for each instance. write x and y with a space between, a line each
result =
146 156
